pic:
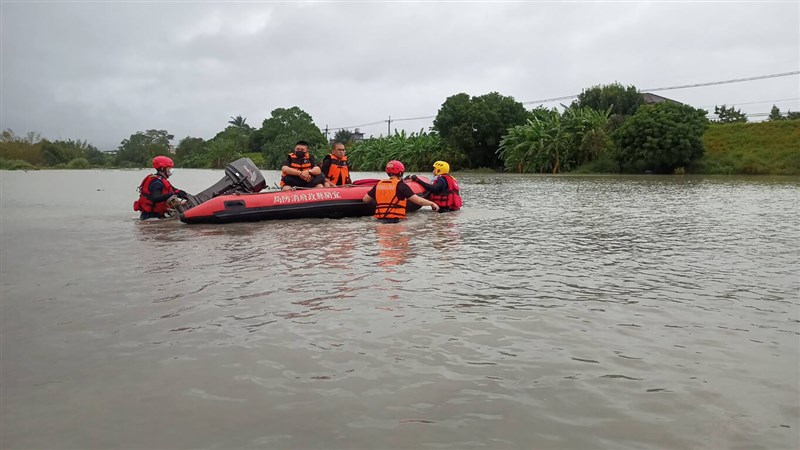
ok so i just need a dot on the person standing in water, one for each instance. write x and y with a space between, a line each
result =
392 195
444 190
156 189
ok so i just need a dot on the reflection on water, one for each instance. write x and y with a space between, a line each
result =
551 312
393 241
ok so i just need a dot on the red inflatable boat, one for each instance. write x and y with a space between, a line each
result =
336 202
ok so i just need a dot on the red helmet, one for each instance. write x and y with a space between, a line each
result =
395 167
161 162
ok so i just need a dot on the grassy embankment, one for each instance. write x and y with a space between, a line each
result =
763 148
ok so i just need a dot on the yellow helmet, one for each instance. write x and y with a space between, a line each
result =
441 168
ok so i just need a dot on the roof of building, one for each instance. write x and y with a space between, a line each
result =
653 98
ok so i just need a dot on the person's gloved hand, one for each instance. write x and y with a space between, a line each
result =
414 177
173 201
182 195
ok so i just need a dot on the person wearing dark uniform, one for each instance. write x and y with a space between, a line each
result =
299 169
392 195
156 189
335 167
444 190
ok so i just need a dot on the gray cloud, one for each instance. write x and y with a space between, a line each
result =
102 71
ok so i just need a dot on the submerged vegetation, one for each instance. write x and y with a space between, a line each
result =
608 129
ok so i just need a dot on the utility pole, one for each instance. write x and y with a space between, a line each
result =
389 127
326 131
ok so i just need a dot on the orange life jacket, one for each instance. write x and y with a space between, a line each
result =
450 198
144 203
387 205
339 172
300 164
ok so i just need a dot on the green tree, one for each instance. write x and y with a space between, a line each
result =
475 126
228 145
343 136
616 98
97 157
221 151
190 151
278 134
27 148
729 115
62 152
662 137
239 122
142 147
775 114
792 115
56 153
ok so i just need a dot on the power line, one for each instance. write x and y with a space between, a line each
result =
356 126
413 118
710 83
567 97
735 80
548 100
755 103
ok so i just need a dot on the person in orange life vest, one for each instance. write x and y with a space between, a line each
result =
300 170
391 195
156 189
335 168
444 188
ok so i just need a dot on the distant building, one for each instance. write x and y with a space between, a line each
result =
649 99
356 136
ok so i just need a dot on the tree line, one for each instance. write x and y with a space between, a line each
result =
608 128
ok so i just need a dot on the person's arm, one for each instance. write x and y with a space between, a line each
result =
157 194
369 196
422 202
286 168
404 190
326 166
427 186
434 188
180 193
315 170
439 186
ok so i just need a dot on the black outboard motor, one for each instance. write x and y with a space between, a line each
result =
241 176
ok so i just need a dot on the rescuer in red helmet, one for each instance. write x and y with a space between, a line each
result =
391 195
156 189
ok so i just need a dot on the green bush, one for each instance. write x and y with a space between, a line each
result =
257 158
16 164
662 137
417 152
78 163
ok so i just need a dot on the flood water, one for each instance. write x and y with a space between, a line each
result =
551 313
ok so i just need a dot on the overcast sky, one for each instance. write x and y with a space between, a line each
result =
102 71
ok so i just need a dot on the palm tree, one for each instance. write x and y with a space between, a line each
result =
239 122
